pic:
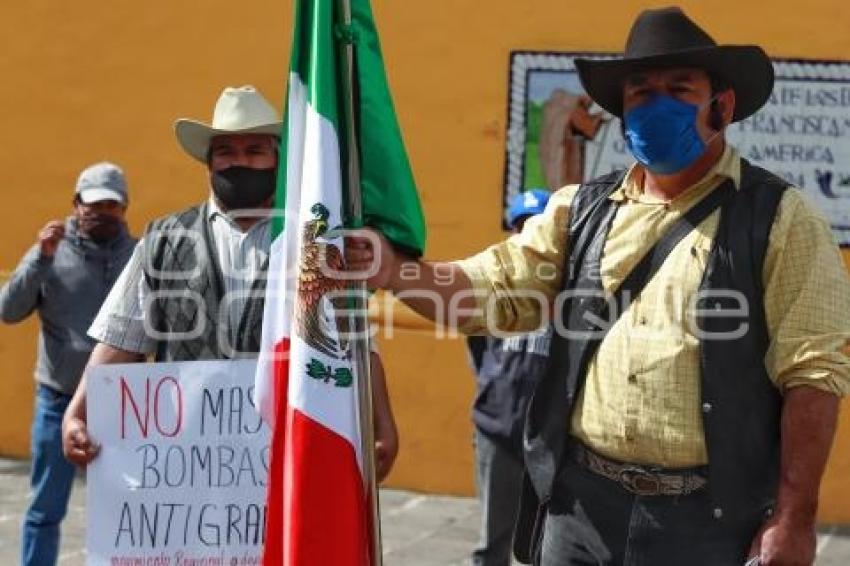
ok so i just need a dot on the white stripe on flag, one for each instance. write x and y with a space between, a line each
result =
313 176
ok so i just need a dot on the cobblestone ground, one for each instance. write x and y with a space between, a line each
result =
418 530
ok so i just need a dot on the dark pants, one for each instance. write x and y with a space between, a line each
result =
499 482
594 521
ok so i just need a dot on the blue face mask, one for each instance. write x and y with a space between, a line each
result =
662 134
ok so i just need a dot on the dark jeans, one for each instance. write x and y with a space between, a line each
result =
499 482
594 521
51 478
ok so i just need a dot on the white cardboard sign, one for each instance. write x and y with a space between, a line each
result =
181 476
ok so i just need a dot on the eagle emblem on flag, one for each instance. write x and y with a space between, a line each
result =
316 321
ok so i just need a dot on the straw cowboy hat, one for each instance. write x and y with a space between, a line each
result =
240 110
667 38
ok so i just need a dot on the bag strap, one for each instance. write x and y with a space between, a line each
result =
646 268
643 272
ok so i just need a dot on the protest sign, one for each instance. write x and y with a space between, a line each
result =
181 476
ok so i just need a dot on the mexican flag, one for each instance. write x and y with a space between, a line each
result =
306 384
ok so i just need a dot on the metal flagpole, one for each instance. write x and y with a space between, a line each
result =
360 322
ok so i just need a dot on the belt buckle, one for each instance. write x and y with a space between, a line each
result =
640 481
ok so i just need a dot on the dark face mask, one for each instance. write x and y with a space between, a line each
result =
100 228
243 187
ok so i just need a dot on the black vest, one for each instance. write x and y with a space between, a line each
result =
740 405
187 293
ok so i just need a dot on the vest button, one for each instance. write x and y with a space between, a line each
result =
632 378
706 407
718 513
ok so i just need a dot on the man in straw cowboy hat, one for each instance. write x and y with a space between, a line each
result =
701 341
215 253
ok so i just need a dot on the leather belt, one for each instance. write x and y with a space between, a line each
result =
640 480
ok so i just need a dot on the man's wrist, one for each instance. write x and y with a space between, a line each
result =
403 269
797 512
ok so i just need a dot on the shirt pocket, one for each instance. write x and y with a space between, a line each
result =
700 252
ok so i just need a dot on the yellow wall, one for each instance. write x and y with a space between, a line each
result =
87 80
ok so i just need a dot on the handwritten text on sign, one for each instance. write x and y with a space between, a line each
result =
181 477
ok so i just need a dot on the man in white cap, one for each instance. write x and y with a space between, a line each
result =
65 276
194 288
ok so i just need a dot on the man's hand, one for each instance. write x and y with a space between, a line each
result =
386 433
439 291
77 445
367 252
50 236
386 449
785 540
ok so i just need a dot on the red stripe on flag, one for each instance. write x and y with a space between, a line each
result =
316 498
273 549
326 520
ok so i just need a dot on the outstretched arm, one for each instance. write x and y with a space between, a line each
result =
429 288
509 286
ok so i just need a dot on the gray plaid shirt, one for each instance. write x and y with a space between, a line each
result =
121 320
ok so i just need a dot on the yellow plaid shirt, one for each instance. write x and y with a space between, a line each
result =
641 399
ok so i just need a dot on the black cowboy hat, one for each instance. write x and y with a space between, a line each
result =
667 38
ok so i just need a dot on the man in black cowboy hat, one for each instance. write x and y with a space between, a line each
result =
702 335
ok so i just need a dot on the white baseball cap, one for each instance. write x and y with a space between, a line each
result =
102 181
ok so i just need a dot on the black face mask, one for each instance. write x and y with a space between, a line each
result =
100 228
243 187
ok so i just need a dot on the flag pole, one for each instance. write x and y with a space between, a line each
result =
360 322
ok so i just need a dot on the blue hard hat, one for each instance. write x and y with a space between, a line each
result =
527 203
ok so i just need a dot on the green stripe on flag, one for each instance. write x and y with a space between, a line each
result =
390 202
280 190
313 59
314 56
